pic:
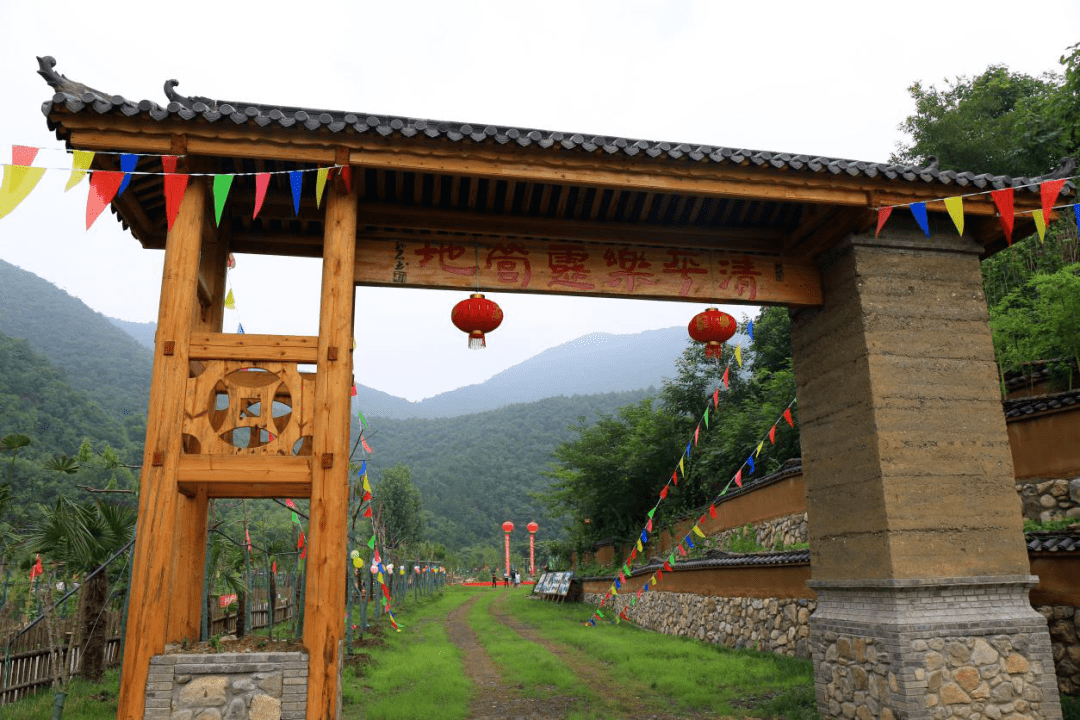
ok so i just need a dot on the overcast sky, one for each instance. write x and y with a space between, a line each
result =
825 78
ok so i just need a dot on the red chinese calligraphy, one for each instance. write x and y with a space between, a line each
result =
631 265
567 264
511 262
446 252
744 274
684 263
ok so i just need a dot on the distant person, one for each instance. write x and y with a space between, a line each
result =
493 581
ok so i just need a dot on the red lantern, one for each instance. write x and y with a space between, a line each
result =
532 528
476 316
508 527
713 327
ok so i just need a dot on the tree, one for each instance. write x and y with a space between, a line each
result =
1000 122
397 507
83 537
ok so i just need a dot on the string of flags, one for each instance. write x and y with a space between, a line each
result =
687 542
21 177
1004 200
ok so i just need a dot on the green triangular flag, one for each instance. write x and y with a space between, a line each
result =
651 512
706 417
295 519
222 183
363 420
600 613
371 542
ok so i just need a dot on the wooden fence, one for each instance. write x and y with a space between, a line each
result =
26 664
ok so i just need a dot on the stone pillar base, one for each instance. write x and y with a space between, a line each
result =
967 647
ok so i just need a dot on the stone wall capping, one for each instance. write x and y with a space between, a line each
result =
944 583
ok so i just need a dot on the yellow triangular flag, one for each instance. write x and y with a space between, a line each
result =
230 301
759 446
18 181
367 487
681 467
381 580
738 354
697 530
639 548
653 580
320 185
1040 224
955 206
80 163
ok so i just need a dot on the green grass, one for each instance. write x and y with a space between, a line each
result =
688 674
537 671
85 701
416 672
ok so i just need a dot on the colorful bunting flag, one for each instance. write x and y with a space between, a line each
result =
1003 199
639 547
262 181
175 184
1076 213
698 532
103 187
712 511
296 182
222 183
651 514
706 417
19 179
648 525
128 162
918 210
955 206
36 568
366 446
371 542
360 415
1049 191
367 511
738 357
663 492
320 185
1040 224
759 446
675 477
697 432
726 369
787 416
750 461
882 215
738 478
230 301
80 163
772 434
352 392
750 329
716 396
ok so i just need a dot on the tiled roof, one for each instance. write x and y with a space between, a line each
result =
78 98
1024 406
1060 541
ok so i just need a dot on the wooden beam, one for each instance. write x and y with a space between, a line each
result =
596 270
151 590
212 470
324 611
252 347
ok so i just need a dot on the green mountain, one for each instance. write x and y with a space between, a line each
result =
99 358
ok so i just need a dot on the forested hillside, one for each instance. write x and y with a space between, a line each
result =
475 471
99 358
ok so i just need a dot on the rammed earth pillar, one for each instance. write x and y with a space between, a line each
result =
917 550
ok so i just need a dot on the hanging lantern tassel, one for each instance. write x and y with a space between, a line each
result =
476 316
714 328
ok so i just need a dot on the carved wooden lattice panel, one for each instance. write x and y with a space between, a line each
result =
248 408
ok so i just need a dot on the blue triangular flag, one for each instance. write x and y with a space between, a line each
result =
646 588
644 537
689 542
1076 212
363 467
127 164
296 180
240 328
750 329
617 584
751 461
688 448
919 211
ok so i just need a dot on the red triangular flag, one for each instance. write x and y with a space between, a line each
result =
367 496
1004 201
367 511
682 551
667 566
1049 191
772 435
104 185
262 181
701 520
697 431
712 511
663 492
273 567
174 188
648 525
716 399
726 370
882 215
660 574
366 446
23 155
353 391
378 558
346 176
787 416
303 553
633 553
738 478
300 541
290 503
675 477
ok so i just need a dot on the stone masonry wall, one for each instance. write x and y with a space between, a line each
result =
1046 500
771 534
778 625
1064 623
227 686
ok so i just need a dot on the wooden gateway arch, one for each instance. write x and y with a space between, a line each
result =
915 525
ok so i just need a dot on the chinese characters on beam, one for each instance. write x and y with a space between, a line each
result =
602 270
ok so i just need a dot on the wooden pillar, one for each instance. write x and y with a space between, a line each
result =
152 588
324 610
192 513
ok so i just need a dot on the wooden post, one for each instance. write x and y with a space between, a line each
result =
152 570
324 613
185 615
